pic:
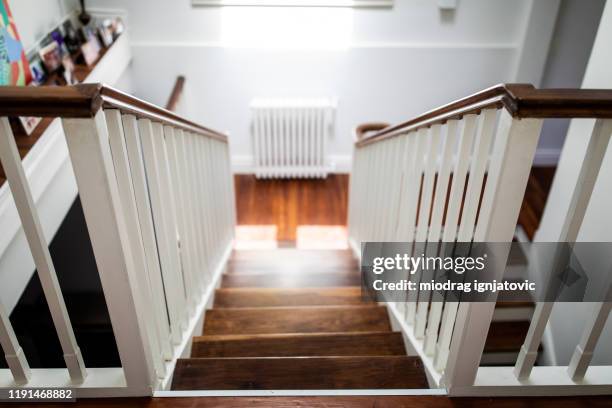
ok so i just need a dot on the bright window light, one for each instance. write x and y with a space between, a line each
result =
286 27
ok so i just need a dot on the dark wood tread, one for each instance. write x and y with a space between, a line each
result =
509 304
299 373
282 280
300 344
262 297
337 401
304 319
504 337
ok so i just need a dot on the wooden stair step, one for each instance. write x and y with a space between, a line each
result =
299 373
506 336
305 319
300 344
291 268
509 310
281 280
286 253
267 297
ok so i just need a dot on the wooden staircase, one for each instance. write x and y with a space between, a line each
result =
290 319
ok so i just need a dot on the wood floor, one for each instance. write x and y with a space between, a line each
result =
274 326
340 402
289 203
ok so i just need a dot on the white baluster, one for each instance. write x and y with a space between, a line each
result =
15 358
142 286
145 218
11 162
88 144
451 223
165 233
510 166
596 149
583 353
423 229
415 179
435 230
178 188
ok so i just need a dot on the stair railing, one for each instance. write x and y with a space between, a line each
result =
157 195
458 174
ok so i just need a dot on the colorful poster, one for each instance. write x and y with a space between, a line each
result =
14 67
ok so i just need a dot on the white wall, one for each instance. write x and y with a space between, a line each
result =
36 18
381 64
571 45
597 224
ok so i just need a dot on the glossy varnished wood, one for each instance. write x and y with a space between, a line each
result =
289 280
84 101
305 319
506 336
300 373
267 297
300 344
288 204
176 94
382 401
520 100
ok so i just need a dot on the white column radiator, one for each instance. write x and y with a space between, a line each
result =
290 137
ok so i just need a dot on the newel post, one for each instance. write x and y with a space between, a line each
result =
88 144
514 148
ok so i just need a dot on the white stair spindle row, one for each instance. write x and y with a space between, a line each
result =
128 204
20 189
467 126
593 159
147 228
90 153
445 161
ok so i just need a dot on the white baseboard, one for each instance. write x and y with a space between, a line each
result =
243 163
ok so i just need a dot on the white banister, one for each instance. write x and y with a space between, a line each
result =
88 144
165 228
593 159
513 152
583 354
187 252
449 313
145 218
454 176
423 227
11 161
435 231
157 196
143 292
15 358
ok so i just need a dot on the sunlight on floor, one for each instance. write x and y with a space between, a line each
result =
321 237
256 237
308 237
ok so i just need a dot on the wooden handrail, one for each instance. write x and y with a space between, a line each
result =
84 101
177 92
520 100
364 128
